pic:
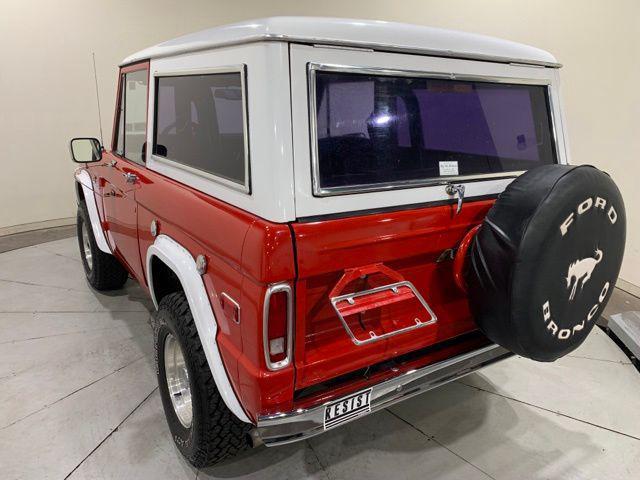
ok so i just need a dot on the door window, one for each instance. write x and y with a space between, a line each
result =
200 124
132 118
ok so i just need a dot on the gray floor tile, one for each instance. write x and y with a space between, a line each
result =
65 247
58 366
600 392
288 462
36 266
75 364
141 448
619 302
21 297
384 446
598 346
23 326
511 440
51 443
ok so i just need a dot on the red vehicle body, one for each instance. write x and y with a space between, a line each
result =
246 254
339 290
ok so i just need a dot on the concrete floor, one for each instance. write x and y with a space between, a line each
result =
78 399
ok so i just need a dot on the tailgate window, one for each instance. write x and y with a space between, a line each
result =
374 131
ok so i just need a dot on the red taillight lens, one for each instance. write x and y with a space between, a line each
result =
277 326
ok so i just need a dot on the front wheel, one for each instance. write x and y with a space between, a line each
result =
203 428
103 270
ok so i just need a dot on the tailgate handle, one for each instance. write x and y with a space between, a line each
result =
358 302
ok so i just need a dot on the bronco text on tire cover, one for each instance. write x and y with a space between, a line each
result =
545 260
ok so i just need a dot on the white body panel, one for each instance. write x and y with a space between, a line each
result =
277 100
301 55
83 178
374 34
176 257
269 116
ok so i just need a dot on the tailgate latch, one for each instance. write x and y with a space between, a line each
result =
454 190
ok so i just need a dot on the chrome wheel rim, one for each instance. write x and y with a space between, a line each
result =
86 246
177 376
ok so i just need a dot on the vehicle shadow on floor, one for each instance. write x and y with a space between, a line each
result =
131 299
431 432
131 292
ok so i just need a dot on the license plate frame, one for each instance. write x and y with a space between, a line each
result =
347 408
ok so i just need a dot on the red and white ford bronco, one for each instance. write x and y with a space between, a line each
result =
332 216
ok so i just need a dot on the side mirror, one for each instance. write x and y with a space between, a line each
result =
86 150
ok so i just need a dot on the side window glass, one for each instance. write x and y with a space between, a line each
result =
135 114
200 124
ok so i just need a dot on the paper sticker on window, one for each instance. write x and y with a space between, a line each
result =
448 168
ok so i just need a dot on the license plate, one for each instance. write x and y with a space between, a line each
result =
347 408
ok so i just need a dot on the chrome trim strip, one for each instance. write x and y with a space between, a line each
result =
393 287
318 191
242 70
275 288
282 428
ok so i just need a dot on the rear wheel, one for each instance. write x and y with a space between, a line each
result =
103 270
203 428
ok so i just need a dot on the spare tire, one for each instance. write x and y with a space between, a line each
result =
546 258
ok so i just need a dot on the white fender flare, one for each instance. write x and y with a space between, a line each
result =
83 178
178 259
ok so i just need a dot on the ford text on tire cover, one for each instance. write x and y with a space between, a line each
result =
331 218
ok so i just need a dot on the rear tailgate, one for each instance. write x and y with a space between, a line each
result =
408 242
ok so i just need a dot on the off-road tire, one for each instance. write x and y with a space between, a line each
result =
215 432
105 272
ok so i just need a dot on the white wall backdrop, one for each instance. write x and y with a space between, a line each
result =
47 92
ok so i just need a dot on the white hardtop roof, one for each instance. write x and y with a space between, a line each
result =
374 34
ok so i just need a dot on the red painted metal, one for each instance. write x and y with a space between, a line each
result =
460 259
407 241
245 254
374 301
381 307
345 387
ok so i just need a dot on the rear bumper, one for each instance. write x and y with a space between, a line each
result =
297 425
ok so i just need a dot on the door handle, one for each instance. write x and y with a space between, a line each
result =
130 177
110 194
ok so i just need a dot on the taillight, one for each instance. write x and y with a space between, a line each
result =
278 325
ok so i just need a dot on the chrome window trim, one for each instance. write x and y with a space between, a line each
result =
242 70
319 191
276 288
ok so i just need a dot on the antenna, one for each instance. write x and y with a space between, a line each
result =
95 76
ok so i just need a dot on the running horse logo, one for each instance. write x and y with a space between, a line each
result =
580 272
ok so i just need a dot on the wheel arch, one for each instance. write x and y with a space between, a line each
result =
166 253
84 191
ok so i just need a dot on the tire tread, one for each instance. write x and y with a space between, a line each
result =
220 434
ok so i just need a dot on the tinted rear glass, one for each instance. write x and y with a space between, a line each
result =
373 129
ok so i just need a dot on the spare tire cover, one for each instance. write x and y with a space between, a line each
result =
546 258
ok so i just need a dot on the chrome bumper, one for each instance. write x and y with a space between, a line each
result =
297 425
